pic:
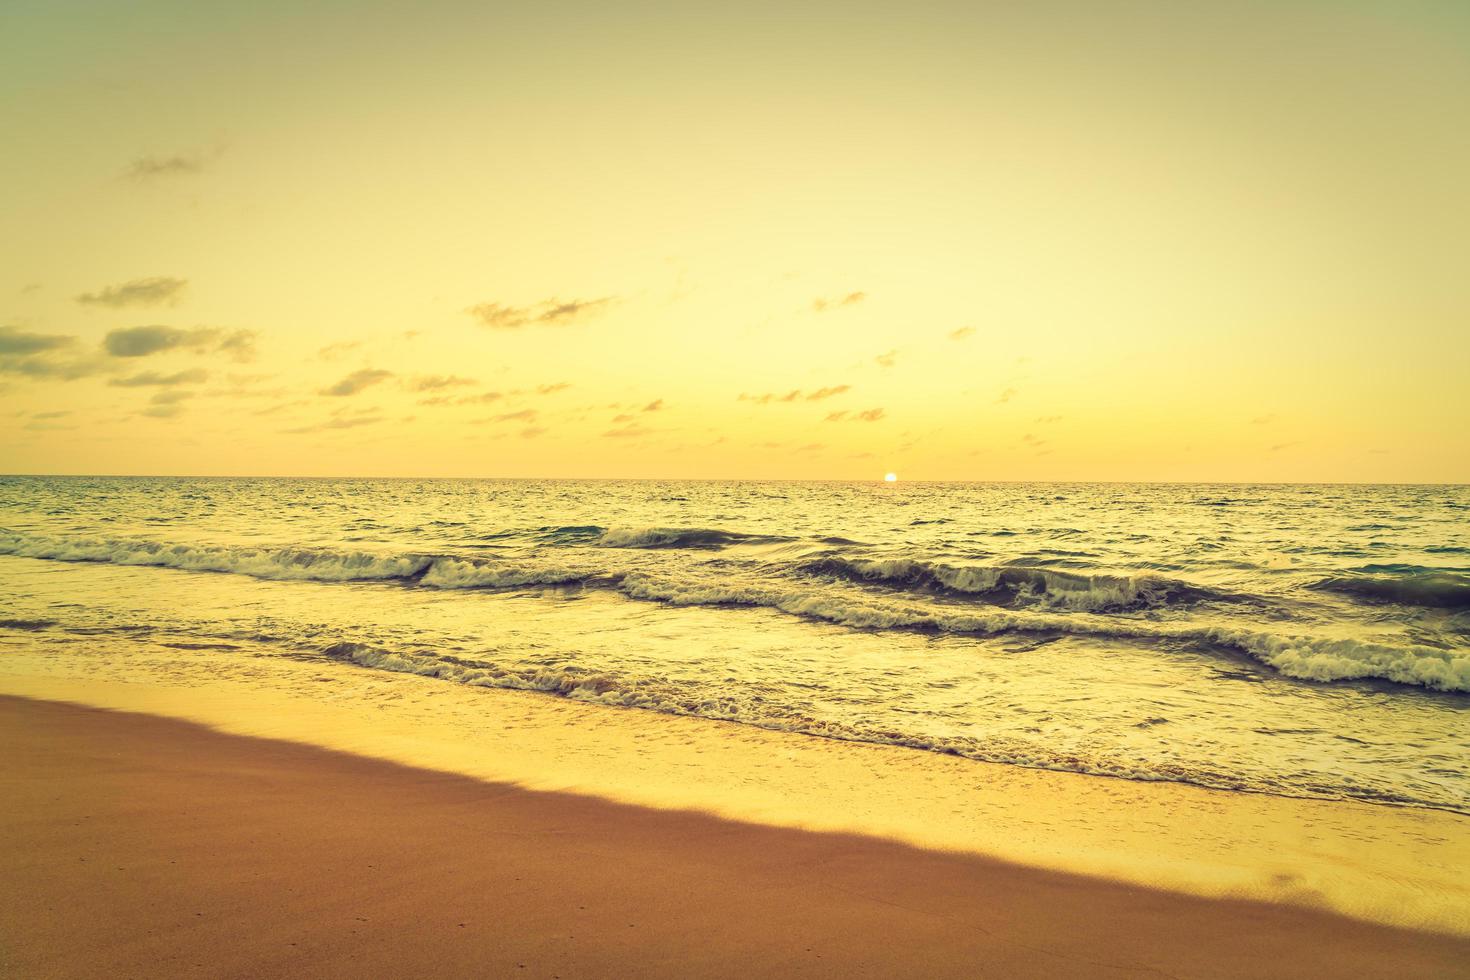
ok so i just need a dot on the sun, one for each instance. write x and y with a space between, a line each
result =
890 478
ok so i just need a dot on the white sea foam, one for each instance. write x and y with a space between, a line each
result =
1314 658
669 698
293 564
1021 584
1059 594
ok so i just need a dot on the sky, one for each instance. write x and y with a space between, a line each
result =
1053 240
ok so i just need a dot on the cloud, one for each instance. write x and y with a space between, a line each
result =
794 394
549 312
1048 419
174 165
138 292
552 389
654 406
961 333
769 397
868 415
1263 420
436 382
332 352
821 305
171 397
628 432
63 413
532 432
822 393
142 341
16 341
167 404
886 359
337 423
622 418
1006 396
153 378
524 415
356 382
239 345
43 356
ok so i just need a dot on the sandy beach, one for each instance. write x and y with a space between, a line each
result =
144 846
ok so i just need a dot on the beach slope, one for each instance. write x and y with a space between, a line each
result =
143 846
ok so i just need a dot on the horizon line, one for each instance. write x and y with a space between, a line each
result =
708 479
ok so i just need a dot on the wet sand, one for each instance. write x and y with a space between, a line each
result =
144 846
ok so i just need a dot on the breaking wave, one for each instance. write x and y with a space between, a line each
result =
1431 589
295 564
1303 657
673 697
1015 585
1020 599
679 537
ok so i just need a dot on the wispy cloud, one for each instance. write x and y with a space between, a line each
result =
830 392
654 406
795 394
13 340
239 345
153 167
438 382
352 422
867 415
769 397
524 415
550 312
167 404
357 381
1006 396
153 291
44 357
886 359
552 389
333 352
961 333
155 379
628 432
822 305
142 341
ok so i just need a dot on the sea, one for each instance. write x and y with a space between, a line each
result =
1309 641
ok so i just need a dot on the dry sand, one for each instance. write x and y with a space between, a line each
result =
143 846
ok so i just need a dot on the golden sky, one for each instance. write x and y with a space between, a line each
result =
1064 239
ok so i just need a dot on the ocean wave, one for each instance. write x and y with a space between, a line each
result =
1016 585
1430 589
1054 598
672 697
1301 657
296 564
28 625
679 537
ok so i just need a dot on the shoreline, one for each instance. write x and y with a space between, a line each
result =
144 844
1388 865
